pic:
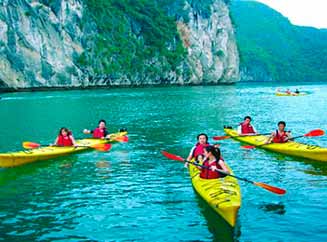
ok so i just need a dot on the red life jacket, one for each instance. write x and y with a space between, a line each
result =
247 128
99 133
199 149
64 140
207 173
280 138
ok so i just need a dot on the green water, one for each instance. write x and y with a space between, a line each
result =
133 192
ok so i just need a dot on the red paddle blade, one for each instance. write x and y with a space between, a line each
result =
172 156
122 138
270 188
315 132
221 137
248 146
30 145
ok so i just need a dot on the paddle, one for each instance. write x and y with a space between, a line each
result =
120 138
99 147
259 184
227 136
312 133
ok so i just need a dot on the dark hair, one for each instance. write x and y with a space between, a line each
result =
247 117
215 151
197 137
67 131
281 122
102 120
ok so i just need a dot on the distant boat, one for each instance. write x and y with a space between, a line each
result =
290 94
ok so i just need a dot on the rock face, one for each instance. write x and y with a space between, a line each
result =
41 44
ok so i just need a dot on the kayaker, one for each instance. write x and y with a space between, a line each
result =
280 135
246 128
198 150
211 163
100 132
65 138
288 91
297 91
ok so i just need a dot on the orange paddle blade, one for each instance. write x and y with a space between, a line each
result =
121 138
101 147
315 132
270 188
172 156
221 137
30 145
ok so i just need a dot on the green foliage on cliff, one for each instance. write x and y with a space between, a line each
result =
270 44
132 36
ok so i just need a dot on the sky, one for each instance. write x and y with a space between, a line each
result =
301 12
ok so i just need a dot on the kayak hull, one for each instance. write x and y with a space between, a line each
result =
18 158
291 148
223 195
290 94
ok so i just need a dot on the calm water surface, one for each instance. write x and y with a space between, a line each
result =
133 192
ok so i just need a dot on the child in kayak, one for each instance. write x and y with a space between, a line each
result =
211 163
280 135
198 150
65 138
246 128
100 132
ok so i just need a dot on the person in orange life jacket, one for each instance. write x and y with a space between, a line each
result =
280 135
100 132
246 128
65 138
212 162
198 150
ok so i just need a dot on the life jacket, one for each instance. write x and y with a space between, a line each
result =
280 138
64 140
247 128
207 173
199 149
99 133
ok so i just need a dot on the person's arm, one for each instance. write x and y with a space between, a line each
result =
222 164
289 136
73 140
87 131
239 130
271 137
56 141
190 156
254 129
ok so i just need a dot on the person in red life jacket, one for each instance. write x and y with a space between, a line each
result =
100 132
198 150
212 162
280 135
246 128
65 138
288 91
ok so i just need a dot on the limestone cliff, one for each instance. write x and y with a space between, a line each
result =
61 43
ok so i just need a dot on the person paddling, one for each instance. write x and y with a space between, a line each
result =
246 128
280 135
100 132
212 162
198 150
65 138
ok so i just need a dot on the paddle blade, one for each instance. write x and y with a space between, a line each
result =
270 188
101 147
221 137
121 138
314 133
248 146
172 156
30 145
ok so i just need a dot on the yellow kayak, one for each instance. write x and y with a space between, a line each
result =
223 194
12 159
292 148
289 94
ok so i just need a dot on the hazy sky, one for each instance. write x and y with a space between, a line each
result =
302 12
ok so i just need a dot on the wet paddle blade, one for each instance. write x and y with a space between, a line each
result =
101 147
172 156
30 145
270 188
221 137
314 133
121 138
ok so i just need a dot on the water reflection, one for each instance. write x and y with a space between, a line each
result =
277 208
